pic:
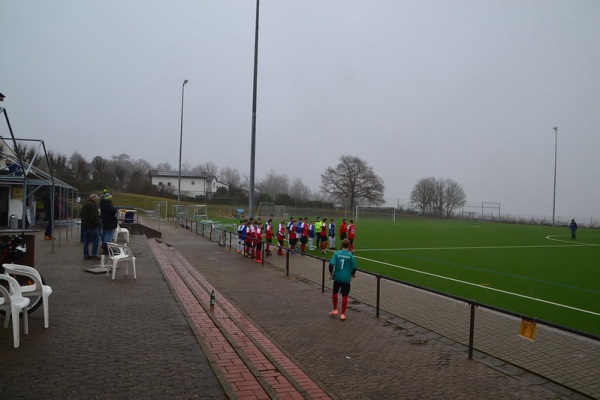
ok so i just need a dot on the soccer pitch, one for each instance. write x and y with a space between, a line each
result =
537 271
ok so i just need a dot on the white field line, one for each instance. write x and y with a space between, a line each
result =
475 284
569 244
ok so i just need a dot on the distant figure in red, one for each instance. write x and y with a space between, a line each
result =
280 237
269 236
323 235
351 232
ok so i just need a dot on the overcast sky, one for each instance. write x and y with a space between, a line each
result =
467 90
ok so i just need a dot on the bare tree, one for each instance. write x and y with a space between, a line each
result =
299 190
353 181
437 197
274 184
455 196
164 167
209 168
230 176
423 194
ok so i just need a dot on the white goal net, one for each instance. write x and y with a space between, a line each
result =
367 212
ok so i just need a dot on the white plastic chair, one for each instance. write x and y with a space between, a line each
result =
12 302
118 253
36 289
122 231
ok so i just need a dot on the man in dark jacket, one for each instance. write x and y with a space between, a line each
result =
108 213
89 227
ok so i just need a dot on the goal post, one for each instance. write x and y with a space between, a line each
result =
370 212
265 209
197 212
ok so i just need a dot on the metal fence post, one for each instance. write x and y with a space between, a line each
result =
323 278
378 296
287 262
471 331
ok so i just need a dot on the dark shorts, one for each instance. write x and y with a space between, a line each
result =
323 238
343 287
303 239
293 242
342 236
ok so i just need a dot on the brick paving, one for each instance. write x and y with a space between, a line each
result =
268 336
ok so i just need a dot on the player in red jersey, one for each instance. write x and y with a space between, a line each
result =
304 236
268 236
292 235
343 230
258 242
324 230
248 238
351 233
280 237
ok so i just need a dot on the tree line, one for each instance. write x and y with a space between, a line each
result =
350 183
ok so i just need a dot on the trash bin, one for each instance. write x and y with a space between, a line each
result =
13 222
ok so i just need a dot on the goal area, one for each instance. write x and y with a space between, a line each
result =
265 209
368 212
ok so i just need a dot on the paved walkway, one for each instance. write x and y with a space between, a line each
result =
267 336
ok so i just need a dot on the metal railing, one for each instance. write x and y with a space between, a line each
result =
562 354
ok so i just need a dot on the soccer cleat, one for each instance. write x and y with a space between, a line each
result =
239 251
334 312
343 317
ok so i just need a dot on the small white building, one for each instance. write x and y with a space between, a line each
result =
191 184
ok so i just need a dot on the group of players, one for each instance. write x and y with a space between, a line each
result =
317 234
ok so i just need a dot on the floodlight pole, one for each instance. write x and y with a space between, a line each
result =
180 145
555 157
253 140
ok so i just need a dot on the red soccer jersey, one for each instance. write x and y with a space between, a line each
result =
351 231
249 234
305 230
281 232
257 235
269 231
343 228
292 232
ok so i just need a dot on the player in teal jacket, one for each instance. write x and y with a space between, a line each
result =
342 267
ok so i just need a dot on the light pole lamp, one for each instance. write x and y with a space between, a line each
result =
555 157
180 145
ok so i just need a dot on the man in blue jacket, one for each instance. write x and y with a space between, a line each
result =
342 267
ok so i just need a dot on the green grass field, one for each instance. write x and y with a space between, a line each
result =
536 271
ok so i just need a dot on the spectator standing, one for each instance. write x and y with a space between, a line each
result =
342 267
573 227
108 214
90 223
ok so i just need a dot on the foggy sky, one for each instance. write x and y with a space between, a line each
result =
467 90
